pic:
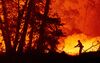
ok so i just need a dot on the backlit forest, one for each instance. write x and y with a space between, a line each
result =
49 26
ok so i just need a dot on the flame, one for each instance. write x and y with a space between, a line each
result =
81 22
87 42
2 44
81 19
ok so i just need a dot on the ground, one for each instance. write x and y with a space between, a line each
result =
90 57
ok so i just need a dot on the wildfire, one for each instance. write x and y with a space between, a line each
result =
71 42
81 19
81 22
2 44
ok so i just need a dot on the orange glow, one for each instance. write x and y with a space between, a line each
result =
2 45
87 42
81 22
81 19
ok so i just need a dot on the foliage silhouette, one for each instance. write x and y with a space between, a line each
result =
44 30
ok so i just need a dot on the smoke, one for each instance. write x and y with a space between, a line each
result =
81 22
79 16
90 23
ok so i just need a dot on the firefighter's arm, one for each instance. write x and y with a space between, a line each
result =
77 45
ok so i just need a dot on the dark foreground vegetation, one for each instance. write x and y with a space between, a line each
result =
34 20
90 57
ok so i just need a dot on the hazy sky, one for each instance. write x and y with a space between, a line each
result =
82 21
79 15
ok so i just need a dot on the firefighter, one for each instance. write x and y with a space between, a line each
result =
80 46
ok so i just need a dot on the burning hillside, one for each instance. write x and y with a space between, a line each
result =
81 22
80 19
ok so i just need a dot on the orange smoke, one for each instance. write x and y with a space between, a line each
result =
81 15
87 41
81 22
81 19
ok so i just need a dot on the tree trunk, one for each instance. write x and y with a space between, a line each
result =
5 29
20 15
32 22
27 17
41 42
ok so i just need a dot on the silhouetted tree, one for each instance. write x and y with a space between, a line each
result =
5 28
46 37
20 16
44 30
27 17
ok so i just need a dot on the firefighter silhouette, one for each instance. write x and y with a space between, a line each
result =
99 46
80 46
